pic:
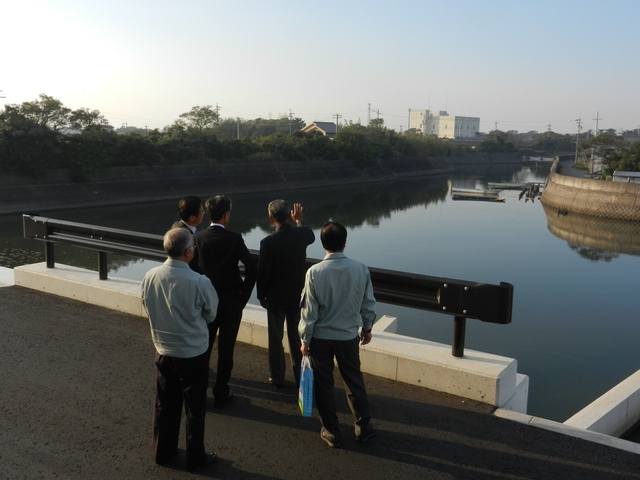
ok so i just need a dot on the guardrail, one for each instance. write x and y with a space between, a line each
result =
459 298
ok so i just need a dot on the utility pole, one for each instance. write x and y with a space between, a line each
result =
369 114
217 113
597 119
496 123
290 120
338 117
238 128
579 122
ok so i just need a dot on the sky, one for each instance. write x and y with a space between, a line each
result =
517 65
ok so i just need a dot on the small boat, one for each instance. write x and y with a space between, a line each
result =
482 195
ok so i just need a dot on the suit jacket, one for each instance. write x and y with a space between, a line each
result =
217 255
179 224
282 265
194 263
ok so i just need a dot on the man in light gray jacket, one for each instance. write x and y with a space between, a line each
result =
337 316
180 304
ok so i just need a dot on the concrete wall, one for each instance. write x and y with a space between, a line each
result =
480 376
122 185
564 194
614 412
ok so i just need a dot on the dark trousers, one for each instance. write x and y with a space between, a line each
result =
225 326
179 381
275 321
347 355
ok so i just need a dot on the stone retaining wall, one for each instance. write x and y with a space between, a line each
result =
599 198
122 185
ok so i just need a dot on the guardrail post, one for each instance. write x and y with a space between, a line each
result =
103 267
48 255
459 327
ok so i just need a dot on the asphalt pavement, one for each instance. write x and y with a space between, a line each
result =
78 387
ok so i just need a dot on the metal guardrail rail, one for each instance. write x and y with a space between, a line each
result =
459 298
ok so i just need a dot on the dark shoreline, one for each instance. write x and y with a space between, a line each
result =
124 185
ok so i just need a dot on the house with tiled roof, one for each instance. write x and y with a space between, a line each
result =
326 128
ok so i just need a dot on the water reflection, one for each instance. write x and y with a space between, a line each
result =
596 239
355 206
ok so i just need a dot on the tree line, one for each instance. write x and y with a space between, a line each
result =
44 134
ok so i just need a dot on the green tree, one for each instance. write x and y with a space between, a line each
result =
200 118
47 112
605 144
497 141
26 146
353 144
552 142
84 118
625 159
89 152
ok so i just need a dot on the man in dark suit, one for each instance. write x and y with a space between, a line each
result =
281 271
191 213
218 253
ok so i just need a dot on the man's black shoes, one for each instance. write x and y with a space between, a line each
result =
365 434
223 402
208 459
278 385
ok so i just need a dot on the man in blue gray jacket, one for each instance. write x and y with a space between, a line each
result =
337 316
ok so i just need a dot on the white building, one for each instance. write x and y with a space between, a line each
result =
443 125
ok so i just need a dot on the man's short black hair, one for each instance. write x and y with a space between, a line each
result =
217 206
189 206
279 210
333 236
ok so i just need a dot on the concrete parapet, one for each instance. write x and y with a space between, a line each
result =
6 277
79 284
478 376
615 412
565 429
585 196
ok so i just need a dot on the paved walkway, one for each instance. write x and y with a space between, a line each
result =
77 391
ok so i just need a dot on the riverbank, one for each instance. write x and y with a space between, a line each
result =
122 185
570 193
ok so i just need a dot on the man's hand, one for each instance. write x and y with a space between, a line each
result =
296 213
365 338
304 349
263 303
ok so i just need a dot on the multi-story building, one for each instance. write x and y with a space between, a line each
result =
443 125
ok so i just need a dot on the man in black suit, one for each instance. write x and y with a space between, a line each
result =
281 271
218 253
191 213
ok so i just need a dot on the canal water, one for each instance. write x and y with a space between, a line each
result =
575 326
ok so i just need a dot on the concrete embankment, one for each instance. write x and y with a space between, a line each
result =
122 185
584 196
